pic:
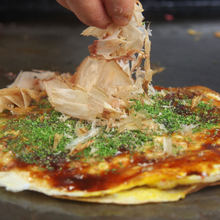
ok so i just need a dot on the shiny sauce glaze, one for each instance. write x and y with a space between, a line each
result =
74 179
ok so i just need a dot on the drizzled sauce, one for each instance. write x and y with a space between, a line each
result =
73 179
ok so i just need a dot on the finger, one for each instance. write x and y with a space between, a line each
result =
120 11
63 3
90 12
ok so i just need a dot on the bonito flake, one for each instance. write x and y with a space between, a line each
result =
104 81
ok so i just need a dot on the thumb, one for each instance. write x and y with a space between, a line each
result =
120 11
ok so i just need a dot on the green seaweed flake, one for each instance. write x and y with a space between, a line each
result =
109 143
34 143
174 114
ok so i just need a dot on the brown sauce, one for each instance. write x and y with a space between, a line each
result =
77 178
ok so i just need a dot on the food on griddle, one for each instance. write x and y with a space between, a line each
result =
105 134
217 34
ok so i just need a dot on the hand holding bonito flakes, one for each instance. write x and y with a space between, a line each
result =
101 13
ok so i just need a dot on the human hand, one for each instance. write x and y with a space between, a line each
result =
101 13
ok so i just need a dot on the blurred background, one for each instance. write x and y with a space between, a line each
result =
40 34
155 9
